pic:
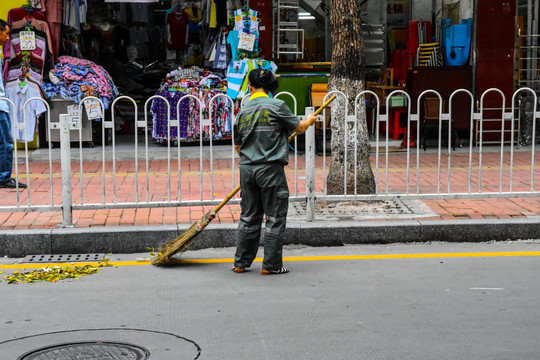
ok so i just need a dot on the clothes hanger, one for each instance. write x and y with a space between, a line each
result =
28 6
22 80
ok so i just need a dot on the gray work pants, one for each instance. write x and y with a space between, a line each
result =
264 192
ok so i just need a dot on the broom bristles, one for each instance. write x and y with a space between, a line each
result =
184 240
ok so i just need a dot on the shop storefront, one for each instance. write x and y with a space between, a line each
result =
141 49
173 48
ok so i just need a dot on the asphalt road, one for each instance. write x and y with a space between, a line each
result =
414 301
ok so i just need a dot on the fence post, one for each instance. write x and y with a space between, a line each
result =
310 170
65 161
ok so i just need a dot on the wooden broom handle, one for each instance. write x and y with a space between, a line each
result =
319 110
294 134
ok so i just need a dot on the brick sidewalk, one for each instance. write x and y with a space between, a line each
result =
40 194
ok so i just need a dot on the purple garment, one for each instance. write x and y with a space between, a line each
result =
159 113
16 73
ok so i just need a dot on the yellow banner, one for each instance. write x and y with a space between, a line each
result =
6 5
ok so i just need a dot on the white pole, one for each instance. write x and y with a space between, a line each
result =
65 159
310 171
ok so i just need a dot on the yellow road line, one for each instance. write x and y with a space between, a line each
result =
290 258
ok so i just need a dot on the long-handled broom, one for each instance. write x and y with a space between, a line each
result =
187 237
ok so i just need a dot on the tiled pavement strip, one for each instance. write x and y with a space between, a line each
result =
446 209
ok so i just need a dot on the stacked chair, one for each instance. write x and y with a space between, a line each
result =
429 55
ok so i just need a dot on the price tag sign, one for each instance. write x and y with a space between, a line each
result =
28 40
73 113
93 109
247 41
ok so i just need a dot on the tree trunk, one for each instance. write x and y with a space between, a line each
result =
347 76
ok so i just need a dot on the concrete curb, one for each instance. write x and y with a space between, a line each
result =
135 239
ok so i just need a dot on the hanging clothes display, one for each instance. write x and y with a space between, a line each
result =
35 25
242 43
237 72
54 19
177 29
19 93
28 19
221 13
29 53
246 23
221 56
72 14
194 16
201 84
74 78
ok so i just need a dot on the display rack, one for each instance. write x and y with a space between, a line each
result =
374 36
527 47
288 39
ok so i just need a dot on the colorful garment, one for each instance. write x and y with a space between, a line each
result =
203 86
233 39
220 60
250 66
73 73
39 25
236 72
246 21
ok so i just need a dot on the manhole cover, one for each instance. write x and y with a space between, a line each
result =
56 258
100 344
92 350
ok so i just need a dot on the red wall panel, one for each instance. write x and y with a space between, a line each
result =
495 35
265 27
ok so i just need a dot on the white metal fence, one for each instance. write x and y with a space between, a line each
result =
72 182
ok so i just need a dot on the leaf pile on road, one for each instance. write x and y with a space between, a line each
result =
54 273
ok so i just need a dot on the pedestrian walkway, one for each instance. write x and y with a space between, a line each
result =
156 188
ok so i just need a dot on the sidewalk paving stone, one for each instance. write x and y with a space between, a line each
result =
157 189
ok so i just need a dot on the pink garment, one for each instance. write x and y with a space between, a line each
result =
54 18
39 25
39 50
54 11
16 73
97 78
70 76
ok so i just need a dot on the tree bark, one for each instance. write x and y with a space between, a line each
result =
347 76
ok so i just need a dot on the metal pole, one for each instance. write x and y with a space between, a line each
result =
310 174
65 158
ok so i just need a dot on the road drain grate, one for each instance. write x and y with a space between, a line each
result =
63 258
92 350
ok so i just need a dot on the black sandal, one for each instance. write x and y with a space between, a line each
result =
274 272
